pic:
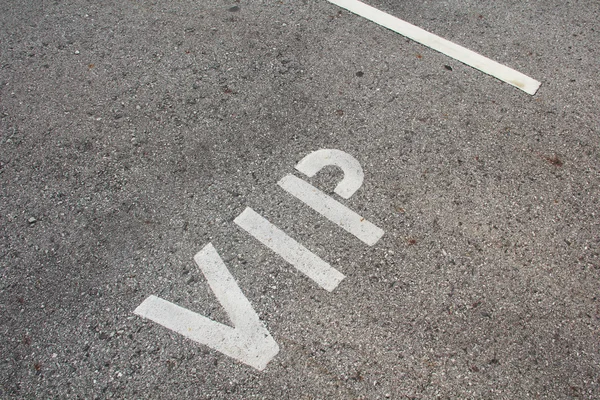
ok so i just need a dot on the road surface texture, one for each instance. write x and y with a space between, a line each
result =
134 133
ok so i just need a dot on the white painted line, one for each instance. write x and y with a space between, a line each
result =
293 252
332 210
248 341
466 56
353 172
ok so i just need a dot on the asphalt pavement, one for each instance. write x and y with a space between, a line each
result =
162 237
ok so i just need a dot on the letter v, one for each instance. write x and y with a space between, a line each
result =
248 341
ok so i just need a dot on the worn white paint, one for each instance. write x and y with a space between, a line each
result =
466 56
247 341
293 252
353 172
331 209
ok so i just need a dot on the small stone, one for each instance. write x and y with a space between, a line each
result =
76 51
32 220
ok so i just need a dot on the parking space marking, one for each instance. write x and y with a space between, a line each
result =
289 249
331 209
466 56
247 341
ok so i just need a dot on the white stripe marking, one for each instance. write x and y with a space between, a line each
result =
353 172
293 252
248 341
331 209
466 56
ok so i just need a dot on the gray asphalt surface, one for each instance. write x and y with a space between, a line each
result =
132 133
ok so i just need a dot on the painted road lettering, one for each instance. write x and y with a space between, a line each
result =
353 172
289 249
331 209
247 341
